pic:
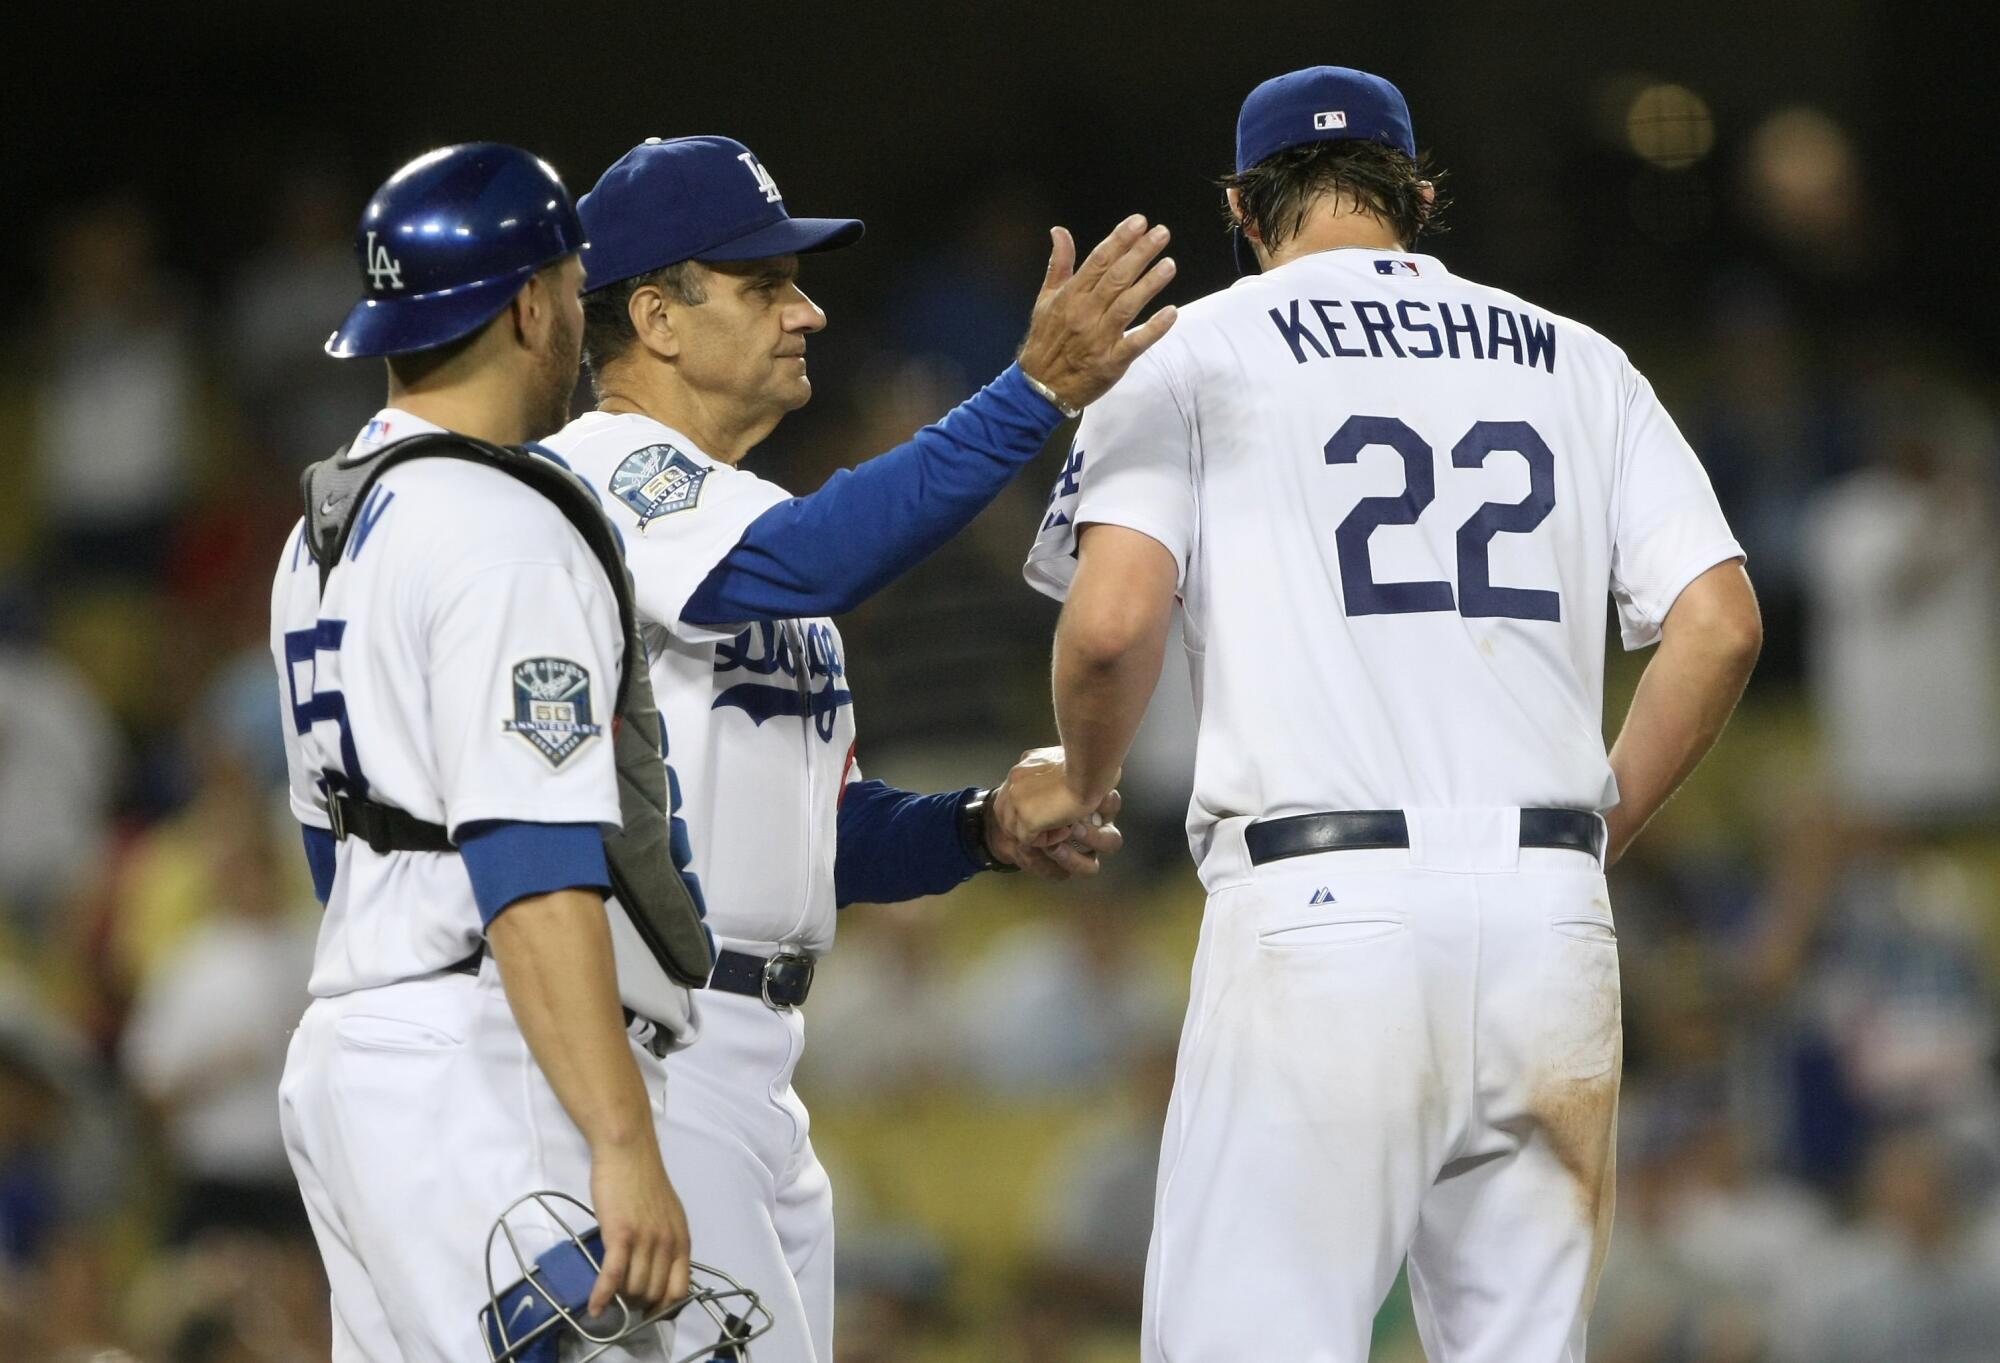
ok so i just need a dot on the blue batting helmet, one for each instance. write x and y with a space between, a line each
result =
448 241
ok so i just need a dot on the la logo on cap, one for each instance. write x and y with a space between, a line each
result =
764 180
1333 118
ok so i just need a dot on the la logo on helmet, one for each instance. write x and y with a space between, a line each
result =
764 180
384 272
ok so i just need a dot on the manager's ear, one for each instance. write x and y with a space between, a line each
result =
652 320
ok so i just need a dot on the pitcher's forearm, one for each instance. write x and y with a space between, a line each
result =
1708 647
1110 643
1676 716
1100 701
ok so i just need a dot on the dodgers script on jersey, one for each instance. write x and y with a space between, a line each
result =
399 685
761 714
1395 498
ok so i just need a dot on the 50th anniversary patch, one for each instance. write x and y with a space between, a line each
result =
552 707
657 481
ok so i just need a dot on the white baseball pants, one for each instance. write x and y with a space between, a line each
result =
1389 1054
738 1148
413 1115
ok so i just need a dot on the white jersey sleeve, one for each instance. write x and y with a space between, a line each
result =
523 680
672 555
1667 528
679 511
1132 464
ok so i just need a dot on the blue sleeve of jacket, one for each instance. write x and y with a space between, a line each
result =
320 860
827 553
895 845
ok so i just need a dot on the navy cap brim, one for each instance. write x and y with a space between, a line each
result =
402 326
787 237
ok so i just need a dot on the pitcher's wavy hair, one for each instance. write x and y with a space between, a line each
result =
1378 179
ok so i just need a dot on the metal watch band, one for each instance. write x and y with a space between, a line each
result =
1048 395
972 832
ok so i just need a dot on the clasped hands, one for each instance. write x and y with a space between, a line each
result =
1038 823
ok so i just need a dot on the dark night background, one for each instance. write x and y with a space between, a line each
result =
1773 207
903 113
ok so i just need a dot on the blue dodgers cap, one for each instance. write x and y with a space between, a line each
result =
447 241
1321 104
693 198
1318 104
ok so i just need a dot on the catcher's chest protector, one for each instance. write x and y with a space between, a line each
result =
644 876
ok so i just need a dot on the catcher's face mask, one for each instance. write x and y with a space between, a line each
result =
540 1318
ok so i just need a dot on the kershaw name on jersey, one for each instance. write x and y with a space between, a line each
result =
1414 329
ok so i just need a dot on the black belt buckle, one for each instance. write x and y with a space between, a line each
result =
336 820
788 978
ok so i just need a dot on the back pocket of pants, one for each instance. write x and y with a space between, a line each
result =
1586 929
367 1032
1337 932
1582 1020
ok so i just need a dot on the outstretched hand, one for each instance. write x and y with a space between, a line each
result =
1078 342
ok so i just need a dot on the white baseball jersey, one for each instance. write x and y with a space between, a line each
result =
1396 500
463 667
760 720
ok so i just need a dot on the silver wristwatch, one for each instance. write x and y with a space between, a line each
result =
1049 395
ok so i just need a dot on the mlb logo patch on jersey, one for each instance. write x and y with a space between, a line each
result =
1396 267
657 481
552 707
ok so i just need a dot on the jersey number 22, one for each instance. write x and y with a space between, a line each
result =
1477 596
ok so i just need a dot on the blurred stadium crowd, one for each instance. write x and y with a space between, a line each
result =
1810 1166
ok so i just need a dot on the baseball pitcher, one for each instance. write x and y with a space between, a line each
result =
1391 504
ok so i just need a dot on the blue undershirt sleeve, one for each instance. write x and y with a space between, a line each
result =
509 861
826 553
320 860
895 845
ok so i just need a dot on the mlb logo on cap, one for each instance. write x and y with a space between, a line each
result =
1335 119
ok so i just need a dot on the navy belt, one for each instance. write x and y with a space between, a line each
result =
1359 830
781 981
656 1038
